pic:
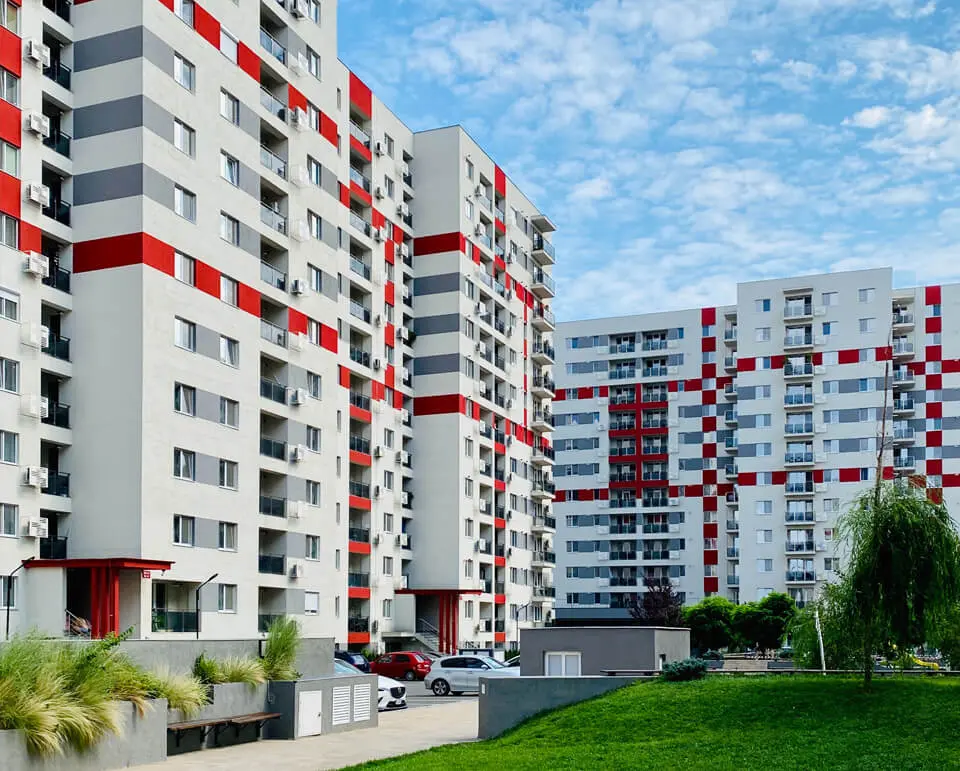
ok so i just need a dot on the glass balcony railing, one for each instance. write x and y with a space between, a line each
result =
272 564
359 223
57 415
273 277
358 580
798 488
163 620
798 457
359 311
798 428
544 279
359 400
799 515
273 333
266 620
58 210
357 177
359 444
273 448
274 162
273 507
59 72
360 356
359 534
53 548
60 7
275 392
799 399
796 370
273 219
546 314
359 267
360 489
58 278
797 310
58 484
57 346
273 105
59 141
540 244
359 134
358 625
270 44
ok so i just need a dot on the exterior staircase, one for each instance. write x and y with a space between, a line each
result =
428 636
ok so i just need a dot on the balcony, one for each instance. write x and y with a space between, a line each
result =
543 284
58 278
359 489
655 344
731 444
731 472
544 524
273 219
273 507
903 435
53 548
543 488
163 620
59 73
904 463
58 210
791 370
650 449
543 250
57 415
730 363
359 444
798 341
359 534
275 392
273 333
273 162
360 135
656 502
360 180
272 564
733 526
623 503
358 580
655 371
730 335
798 429
730 390
622 373
797 310
272 46
623 476
359 400
273 448
58 347
543 386
542 592
59 7
359 311
733 580
798 458
903 378
543 353
275 278
801 576
629 529
58 484
903 405
730 417
733 552
798 488
798 400
59 142
796 547
656 528
902 319
358 625
622 348
623 556
266 620
903 350
543 319
542 421
360 356
732 499
796 517
359 267
273 105
647 397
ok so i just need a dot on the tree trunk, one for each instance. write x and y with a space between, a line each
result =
867 658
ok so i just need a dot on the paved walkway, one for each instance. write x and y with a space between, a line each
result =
399 733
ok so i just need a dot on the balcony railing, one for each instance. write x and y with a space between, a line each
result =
360 356
273 448
540 244
274 162
359 267
272 564
544 349
275 392
797 310
902 376
798 457
273 507
730 333
273 277
57 415
797 370
654 449
163 620
539 277
358 625
623 556
546 314
58 484
733 580
273 333
796 341
359 311
359 489
651 396
58 210
902 348
53 548
625 449
58 347
273 105
903 405
804 516
796 488
58 141
799 546
658 502
59 72
655 476
903 433
58 278
733 552
359 444
359 134
794 400
655 371
358 178
798 428
269 43
273 219
654 529
59 7
801 575
359 534
266 620
902 317
359 223
733 525
359 400
358 580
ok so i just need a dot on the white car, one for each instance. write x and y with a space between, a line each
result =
390 693
456 674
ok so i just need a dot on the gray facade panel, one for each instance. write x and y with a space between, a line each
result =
296 432
747 450
947 424
434 325
849 416
329 182
296 489
208 342
296 376
951 451
328 287
434 365
330 235
249 121
250 181
157 120
157 52
207 535
296 546
108 185
208 469
443 282
848 386
157 187
947 395
849 445
106 117
294 600
746 421
249 240
119 46
208 406
746 393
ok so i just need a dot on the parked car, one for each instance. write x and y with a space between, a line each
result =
390 693
404 665
457 674
357 659
514 662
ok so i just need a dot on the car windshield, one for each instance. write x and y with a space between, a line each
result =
344 668
492 663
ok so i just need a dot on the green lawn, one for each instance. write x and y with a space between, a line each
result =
768 723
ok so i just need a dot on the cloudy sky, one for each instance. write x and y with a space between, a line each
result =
684 145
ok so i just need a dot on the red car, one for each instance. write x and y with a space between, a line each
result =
404 665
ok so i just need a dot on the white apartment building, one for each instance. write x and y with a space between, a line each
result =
224 359
714 448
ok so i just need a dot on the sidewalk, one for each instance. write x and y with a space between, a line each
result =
399 733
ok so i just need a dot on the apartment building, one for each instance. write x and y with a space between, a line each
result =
715 448
228 369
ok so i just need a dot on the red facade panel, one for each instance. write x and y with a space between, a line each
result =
10 194
361 97
10 125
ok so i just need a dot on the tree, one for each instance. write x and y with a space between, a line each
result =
659 605
840 640
764 624
710 622
903 567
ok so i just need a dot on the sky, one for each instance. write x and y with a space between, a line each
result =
681 146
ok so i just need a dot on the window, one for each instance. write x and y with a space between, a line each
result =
468 609
230 168
762 392
313 493
184 269
184 138
8 589
831 505
314 11
387 523
185 334
763 334
468 209
388 608
831 475
468 568
764 536
468 487
468 447
469 169
313 63
831 416
315 224
311 603
228 45
229 351
229 290
184 399
226 598
184 72
313 547
183 530
313 438
829 564
829 328
866 384
184 464
314 384
230 107
227 536
10 16
764 449
867 326
764 508
556 664
9 87
228 474
388 437
866 295
9 375
388 480
388 566
316 278
184 9
10 159
830 298
9 519
229 412
388 141
229 229
831 386
10 303
185 203
764 566
831 446
763 306
763 421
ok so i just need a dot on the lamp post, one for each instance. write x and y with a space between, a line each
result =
516 618
198 600
8 599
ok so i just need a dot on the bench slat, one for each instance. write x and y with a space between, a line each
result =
258 717
236 720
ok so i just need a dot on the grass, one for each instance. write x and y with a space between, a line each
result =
280 650
234 669
770 723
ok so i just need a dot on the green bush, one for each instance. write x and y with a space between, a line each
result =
688 669
207 671
280 651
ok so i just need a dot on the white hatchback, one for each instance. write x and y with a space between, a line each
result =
390 693
457 674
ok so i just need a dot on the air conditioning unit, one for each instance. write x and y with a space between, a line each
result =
38 53
295 509
300 286
479 192
405 331
33 406
36 264
483 505
36 476
404 541
37 528
378 451
299 119
404 416
298 453
378 364
403 582
404 458
378 192
481 544
35 335
404 250
374 626
603 556
379 234
299 8
479 230
37 123
301 230
38 194
509 404
482 387
298 396
296 570
405 499
378 320
403 209
299 175
404 170
376 494
296 341
299 63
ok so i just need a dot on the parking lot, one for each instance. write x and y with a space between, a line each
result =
419 696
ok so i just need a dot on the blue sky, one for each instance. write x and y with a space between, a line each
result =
684 145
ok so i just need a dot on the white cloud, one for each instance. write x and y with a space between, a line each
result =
870 117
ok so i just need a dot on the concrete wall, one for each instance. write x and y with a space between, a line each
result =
229 700
142 740
616 647
285 698
507 701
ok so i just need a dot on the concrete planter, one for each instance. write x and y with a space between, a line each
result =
141 740
229 700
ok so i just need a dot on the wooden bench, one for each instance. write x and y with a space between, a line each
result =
221 724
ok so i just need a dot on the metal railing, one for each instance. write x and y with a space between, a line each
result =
269 43
273 219
273 507
272 161
275 392
58 484
59 141
359 534
163 620
57 415
273 333
272 276
655 371
53 548
359 311
273 564
273 448
58 210
58 278
273 105
59 72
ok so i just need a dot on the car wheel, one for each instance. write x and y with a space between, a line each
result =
441 688
409 675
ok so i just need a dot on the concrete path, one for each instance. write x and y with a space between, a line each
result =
399 733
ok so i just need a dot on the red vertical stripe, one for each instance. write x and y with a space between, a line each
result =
208 279
11 49
328 130
248 61
328 338
296 99
206 26
10 195
360 96
10 124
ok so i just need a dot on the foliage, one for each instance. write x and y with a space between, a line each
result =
280 651
207 671
946 637
764 624
233 669
659 605
688 669
710 622
781 723
511 653
840 632
903 571
182 692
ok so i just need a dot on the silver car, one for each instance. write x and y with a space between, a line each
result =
458 674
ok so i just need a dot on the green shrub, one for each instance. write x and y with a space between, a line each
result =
280 651
238 669
182 692
688 669
207 671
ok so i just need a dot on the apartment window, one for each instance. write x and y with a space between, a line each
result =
184 72
866 295
314 10
388 608
830 298
762 392
227 536
468 528
10 16
183 530
468 609
10 159
315 224
764 566
763 306
184 399
763 334
9 87
229 290
228 45
867 325
229 412
314 170
867 474
185 334
184 138
8 588
336 554
314 384
313 63
831 386
316 278
9 519
387 523
468 447
229 228
830 564
468 487
311 603
388 437
230 168
313 493
388 480
831 475
185 203
184 464
388 566
9 375
229 351
831 416
230 107
10 303
764 449
831 446
313 438
764 420
831 505
388 141
468 209
313 547
226 598
228 474
468 568
764 536
184 268
561 664
184 9
469 169
764 508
